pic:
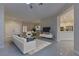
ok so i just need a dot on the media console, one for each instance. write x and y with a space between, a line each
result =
47 35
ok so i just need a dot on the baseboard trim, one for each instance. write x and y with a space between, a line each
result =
64 40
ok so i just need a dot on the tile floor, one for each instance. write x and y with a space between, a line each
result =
63 48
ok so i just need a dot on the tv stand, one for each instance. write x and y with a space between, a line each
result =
49 35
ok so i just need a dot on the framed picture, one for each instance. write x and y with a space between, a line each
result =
61 28
69 28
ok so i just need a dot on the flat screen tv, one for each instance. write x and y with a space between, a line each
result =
46 29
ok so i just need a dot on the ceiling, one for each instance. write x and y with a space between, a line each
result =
22 10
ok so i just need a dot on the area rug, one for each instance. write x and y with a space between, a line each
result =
41 44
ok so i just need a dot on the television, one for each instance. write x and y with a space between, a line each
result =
46 29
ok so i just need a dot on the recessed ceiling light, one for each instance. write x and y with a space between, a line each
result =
27 3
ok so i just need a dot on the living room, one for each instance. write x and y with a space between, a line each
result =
17 28
31 29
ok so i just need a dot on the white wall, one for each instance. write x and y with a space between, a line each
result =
12 27
1 26
52 22
66 35
76 29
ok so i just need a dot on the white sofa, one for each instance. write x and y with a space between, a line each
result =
46 35
23 45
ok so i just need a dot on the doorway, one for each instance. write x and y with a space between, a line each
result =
65 30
